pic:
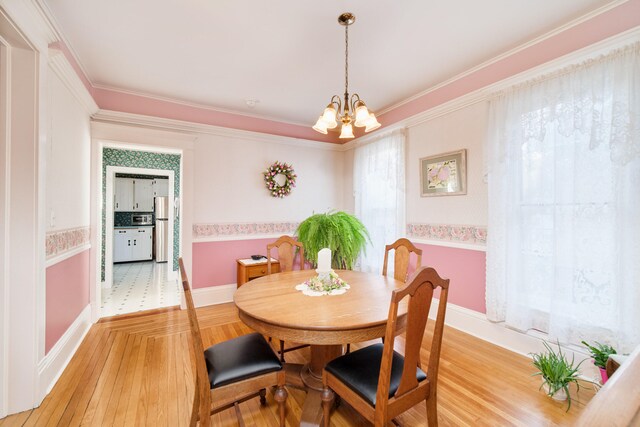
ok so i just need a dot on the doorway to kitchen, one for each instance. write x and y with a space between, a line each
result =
140 213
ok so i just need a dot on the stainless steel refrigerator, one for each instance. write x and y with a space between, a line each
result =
161 210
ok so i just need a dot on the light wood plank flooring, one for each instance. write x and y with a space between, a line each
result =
136 371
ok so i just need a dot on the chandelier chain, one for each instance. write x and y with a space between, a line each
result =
346 60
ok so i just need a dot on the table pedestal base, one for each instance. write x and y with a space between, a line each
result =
309 378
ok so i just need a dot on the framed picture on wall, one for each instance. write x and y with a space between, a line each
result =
444 174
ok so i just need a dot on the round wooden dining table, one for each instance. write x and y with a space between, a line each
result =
272 306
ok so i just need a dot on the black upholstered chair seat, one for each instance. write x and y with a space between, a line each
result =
360 369
240 358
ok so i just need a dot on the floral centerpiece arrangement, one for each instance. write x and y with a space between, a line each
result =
327 284
327 281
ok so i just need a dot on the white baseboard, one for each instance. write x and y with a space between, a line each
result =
213 295
477 324
53 364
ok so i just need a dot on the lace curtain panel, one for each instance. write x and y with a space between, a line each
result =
563 249
379 187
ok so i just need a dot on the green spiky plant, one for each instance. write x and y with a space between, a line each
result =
600 353
344 234
556 371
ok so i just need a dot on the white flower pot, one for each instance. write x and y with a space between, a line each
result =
559 395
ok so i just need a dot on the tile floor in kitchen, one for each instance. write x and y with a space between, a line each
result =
139 286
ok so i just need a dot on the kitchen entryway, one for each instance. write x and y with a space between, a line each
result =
139 286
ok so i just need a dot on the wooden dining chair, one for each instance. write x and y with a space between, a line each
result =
286 247
403 249
231 372
379 382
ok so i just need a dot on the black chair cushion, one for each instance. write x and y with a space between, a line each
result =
240 358
360 369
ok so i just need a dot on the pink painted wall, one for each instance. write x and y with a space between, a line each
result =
67 295
136 104
214 263
466 270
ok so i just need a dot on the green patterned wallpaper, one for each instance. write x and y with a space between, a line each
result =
142 159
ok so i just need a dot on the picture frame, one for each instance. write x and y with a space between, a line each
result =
444 174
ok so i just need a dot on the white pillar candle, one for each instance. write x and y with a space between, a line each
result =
324 259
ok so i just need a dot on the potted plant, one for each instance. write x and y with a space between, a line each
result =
557 373
600 354
344 234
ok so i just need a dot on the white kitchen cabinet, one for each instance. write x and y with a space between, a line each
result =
132 244
143 195
133 195
123 200
121 245
142 244
161 187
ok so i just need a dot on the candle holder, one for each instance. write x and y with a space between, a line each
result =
324 276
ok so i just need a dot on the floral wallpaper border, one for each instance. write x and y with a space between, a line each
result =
453 233
61 241
243 229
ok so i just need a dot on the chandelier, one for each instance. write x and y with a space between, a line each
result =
353 111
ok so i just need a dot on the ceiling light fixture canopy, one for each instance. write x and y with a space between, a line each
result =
353 111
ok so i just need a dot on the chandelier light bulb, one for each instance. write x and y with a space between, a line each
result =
329 117
347 131
320 126
372 123
362 114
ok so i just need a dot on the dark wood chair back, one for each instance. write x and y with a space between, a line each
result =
202 392
420 292
412 385
403 249
249 370
286 247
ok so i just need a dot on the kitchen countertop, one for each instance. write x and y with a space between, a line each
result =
115 227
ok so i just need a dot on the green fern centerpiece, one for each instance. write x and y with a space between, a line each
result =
344 234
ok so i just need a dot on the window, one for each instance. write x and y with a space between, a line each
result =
379 186
564 203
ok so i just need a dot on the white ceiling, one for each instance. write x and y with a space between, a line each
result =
289 54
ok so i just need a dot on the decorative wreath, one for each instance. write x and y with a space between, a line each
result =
274 170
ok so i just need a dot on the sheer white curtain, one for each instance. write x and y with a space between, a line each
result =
563 248
379 186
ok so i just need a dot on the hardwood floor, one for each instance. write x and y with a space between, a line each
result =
136 370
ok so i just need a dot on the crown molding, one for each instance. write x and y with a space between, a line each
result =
125 136
195 104
61 67
502 56
486 92
152 122
53 22
32 21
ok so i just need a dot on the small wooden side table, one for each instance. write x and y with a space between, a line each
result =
249 269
